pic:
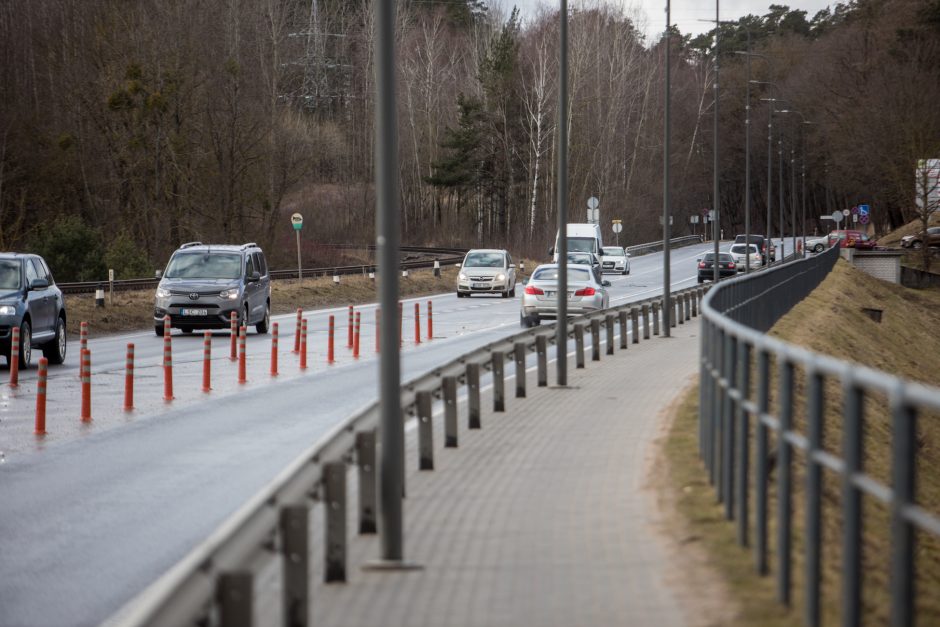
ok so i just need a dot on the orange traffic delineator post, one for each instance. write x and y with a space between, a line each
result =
430 320
349 342
300 314
356 337
15 357
329 344
83 336
129 379
167 361
233 333
303 344
242 356
207 361
417 323
41 397
85 366
274 350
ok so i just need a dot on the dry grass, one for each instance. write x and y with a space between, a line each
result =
905 344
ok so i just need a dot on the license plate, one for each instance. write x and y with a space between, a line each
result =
480 286
194 312
549 294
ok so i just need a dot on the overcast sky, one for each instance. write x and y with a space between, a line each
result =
686 14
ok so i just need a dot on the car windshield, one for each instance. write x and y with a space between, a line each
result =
581 259
581 244
484 260
613 251
205 266
10 274
551 274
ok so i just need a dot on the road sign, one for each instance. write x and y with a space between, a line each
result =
593 202
617 227
297 220
836 216
864 214
846 212
616 221
693 219
855 218
711 215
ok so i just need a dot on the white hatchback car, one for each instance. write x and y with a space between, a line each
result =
487 271
739 252
616 259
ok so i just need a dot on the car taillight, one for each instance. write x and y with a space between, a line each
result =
730 264
531 289
585 291
701 264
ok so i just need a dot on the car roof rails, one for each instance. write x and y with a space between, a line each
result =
249 245
191 244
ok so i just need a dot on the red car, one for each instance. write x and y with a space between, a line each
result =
852 239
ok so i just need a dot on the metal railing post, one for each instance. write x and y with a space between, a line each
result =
295 565
814 432
784 475
519 353
609 322
635 324
852 452
235 592
334 501
656 317
473 396
646 321
579 345
449 392
730 421
622 319
743 446
903 483
499 383
425 431
761 462
595 339
365 460
541 351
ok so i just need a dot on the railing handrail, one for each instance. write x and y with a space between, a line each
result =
735 315
188 589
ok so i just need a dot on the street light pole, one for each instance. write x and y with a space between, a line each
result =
667 296
793 197
783 252
747 157
561 336
716 231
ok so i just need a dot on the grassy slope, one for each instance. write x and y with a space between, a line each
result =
907 344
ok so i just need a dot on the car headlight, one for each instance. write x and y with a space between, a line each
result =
7 310
500 277
231 294
162 292
462 276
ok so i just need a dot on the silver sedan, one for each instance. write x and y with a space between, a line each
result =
540 298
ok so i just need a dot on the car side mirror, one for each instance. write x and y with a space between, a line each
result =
606 283
39 284
513 266
158 274
255 276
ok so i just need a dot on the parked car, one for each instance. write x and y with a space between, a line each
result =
540 297
487 271
817 244
30 300
740 251
765 246
849 238
726 266
204 284
930 238
616 259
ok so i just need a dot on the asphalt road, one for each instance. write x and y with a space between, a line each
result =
93 513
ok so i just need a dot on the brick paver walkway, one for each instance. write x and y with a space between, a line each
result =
542 517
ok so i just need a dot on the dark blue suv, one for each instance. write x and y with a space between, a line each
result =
30 300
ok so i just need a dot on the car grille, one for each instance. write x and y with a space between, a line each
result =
200 292
195 304
608 264
480 279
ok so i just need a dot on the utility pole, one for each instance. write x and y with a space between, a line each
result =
747 160
561 337
667 296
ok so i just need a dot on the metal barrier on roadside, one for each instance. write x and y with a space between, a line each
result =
216 579
735 348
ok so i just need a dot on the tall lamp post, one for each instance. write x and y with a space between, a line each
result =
747 149
667 303
802 176
561 337
770 157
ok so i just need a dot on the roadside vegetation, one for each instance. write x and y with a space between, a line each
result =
830 321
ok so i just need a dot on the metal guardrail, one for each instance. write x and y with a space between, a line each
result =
735 315
675 242
444 255
214 584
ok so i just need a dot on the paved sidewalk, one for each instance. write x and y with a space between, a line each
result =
544 516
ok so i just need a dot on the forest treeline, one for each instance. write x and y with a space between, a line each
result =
127 128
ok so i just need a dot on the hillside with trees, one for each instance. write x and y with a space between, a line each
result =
127 128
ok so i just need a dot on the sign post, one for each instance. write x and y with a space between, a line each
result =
111 287
298 221
617 227
593 214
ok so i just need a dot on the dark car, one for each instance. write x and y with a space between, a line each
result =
30 300
726 266
849 238
762 245
930 238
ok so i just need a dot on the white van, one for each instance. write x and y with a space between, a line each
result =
582 238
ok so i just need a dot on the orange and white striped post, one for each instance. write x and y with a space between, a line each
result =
15 357
85 366
329 344
274 350
417 323
303 344
430 320
349 342
83 335
41 397
167 360
129 379
207 361
242 354
233 333
356 337
300 314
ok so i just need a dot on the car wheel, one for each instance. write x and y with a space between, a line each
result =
818 248
524 321
701 280
505 294
26 345
917 245
54 351
262 327
512 292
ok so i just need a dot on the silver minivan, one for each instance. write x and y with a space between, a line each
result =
204 284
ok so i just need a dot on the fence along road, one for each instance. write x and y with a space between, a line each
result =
735 316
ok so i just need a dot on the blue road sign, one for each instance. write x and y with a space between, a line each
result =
864 214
